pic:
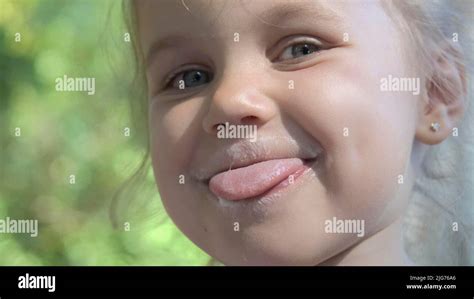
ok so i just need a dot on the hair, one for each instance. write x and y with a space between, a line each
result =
441 199
128 190
443 191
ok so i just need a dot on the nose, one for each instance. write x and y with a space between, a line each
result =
238 102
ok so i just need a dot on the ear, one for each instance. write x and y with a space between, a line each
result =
442 103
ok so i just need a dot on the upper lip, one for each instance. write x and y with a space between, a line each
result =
245 153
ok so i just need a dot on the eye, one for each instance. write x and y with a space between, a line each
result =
299 49
188 79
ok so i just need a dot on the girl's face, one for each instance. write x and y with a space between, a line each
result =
307 75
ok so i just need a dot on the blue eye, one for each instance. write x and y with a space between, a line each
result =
303 49
298 50
190 78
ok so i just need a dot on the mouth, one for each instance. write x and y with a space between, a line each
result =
258 178
247 170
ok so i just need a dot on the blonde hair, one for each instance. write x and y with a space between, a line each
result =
442 197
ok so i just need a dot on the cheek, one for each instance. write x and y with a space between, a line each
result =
366 134
173 136
173 130
170 146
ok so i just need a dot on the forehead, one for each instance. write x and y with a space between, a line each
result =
166 23
170 24
215 11
210 15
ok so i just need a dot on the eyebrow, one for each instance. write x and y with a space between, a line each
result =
275 16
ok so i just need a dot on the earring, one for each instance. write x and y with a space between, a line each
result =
435 126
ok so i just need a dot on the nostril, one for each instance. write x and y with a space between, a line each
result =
249 119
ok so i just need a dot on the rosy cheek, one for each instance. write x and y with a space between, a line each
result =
332 97
175 130
339 103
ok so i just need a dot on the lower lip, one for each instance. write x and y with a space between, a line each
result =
260 180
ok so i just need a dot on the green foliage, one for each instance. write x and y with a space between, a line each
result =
72 133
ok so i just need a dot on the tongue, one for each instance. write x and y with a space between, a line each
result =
253 180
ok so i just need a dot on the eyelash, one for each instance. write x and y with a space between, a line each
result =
171 78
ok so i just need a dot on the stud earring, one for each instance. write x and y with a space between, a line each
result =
435 127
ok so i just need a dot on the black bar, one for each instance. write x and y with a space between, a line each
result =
216 282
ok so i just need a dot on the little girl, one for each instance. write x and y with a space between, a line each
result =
361 112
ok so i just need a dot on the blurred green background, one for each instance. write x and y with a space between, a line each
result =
72 133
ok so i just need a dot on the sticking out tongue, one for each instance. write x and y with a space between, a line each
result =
255 179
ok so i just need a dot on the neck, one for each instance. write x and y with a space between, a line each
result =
384 248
